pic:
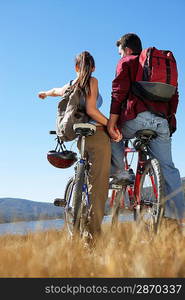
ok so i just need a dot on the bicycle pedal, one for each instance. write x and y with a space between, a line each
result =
60 202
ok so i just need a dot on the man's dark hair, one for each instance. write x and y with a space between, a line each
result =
132 41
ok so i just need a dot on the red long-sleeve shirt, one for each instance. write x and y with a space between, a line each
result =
125 104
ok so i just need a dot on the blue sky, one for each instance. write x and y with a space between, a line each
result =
39 40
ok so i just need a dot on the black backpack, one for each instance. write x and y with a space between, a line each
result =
71 110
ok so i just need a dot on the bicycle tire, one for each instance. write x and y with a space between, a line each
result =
116 208
82 207
77 212
77 196
151 208
68 211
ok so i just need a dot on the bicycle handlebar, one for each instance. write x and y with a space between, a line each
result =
52 132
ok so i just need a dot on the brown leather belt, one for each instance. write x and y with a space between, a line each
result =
104 128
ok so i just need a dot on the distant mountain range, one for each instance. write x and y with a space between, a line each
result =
14 209
183 185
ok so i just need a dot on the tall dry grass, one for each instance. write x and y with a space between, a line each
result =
126 251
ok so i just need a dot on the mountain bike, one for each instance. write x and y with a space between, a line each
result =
145 197
77 209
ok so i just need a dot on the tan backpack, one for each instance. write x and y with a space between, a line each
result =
71 110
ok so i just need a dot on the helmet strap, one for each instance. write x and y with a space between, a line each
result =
60 145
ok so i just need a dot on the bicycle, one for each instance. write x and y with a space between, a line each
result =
76 202
145 197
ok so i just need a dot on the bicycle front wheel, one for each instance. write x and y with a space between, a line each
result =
151 208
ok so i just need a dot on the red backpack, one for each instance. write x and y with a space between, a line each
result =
157 75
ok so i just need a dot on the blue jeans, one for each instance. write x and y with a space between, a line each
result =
159 148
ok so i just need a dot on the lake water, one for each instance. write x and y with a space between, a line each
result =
42 225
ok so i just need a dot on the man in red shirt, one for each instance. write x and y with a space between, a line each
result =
128 113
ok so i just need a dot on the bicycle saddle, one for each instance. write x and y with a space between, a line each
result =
84 129
146 133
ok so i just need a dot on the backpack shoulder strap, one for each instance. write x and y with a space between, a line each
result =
68 89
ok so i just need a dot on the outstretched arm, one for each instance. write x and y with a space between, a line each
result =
55 92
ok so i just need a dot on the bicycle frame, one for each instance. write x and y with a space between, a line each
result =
82 160
76 202
134 190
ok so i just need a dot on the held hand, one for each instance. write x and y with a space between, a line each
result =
119 136
114 133
42 95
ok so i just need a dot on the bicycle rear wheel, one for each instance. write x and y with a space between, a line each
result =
116 207
77 195
68 211
151 207
77 211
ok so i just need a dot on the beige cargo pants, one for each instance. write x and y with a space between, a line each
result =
98 151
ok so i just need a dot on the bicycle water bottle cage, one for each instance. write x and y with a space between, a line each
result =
84 129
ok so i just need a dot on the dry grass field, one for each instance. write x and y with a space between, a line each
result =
126 251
